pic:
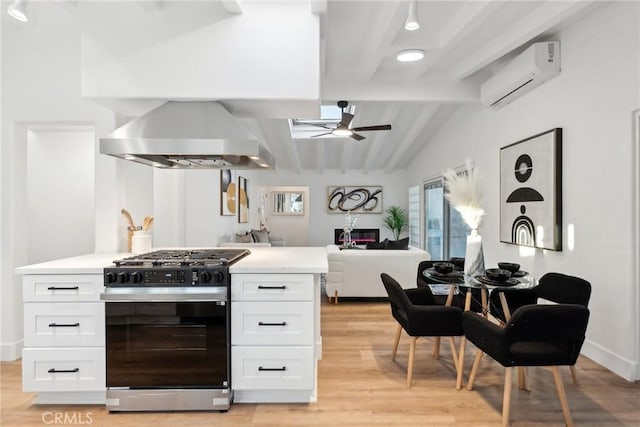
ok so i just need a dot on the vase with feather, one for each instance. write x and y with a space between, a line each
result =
463 192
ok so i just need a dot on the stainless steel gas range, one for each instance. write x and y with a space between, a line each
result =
168 332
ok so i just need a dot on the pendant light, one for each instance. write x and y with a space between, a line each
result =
411 24
18 10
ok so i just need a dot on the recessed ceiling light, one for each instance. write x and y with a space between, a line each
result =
410 55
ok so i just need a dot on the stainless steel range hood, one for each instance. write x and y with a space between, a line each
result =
188 135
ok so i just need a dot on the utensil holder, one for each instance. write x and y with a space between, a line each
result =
141 242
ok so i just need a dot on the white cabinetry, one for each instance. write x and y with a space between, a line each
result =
64 348
274 330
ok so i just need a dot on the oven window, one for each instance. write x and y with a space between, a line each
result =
166 344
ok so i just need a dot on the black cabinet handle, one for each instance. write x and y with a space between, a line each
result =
272 287
63 288
260 368
64 325
272 323
57 371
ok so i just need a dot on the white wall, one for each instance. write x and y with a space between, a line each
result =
592 100
60 193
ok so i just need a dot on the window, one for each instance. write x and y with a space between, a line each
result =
414 216
445 232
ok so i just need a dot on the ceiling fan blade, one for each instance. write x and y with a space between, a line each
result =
322 134
346 119
314 124
379 127
357 137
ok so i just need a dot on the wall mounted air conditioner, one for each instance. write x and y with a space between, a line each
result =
537 64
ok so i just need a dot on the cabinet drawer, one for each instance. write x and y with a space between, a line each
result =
63 369
272 368
270 323
272 287
64 324
62 287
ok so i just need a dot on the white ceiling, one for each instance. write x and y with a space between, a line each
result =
464 41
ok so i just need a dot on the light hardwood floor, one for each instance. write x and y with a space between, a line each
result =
360 385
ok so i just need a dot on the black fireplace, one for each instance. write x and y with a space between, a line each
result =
359 236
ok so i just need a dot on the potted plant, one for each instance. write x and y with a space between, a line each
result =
396 220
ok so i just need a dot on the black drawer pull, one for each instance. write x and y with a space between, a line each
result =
64 325
272 287
63 288
260 368
272 324
58 371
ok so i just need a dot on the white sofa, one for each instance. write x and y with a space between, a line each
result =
356 273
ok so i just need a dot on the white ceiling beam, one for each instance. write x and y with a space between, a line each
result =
402 91
541 19
389 117
150 5
378 44
319 7
232 6
410 135
461 25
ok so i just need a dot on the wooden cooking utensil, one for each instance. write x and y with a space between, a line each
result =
146 223
131 227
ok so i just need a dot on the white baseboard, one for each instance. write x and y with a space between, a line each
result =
627 369
11 351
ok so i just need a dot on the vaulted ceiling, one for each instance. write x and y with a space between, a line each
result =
463 41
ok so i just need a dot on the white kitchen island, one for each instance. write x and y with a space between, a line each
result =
277 286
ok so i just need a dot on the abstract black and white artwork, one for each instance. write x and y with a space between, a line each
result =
356 199
531 191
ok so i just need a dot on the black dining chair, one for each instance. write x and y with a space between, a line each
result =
555 287
536 335
417 313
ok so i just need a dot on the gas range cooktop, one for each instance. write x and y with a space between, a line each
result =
192 267
184 258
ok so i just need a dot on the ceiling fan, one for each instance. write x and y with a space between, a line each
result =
344 129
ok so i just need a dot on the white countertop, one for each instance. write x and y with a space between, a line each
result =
261 260
83 264
283 259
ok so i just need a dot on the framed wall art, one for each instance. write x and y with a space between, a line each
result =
357 199
243 200
227 193
531 191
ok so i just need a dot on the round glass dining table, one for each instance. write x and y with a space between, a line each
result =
457 279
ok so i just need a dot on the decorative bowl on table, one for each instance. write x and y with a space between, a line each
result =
457 262
511 267
443 267
497 274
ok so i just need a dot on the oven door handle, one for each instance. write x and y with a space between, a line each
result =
160 294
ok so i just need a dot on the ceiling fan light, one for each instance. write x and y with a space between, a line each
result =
410 55
18 10
411 24
342 132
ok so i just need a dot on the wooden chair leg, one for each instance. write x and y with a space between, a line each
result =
460 368
522 378
412 351
436 348
396 341
454 353
562 396
574 375
506 397
474 369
